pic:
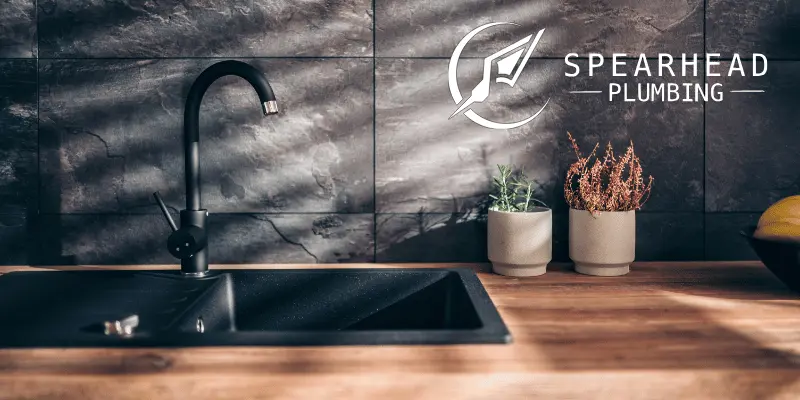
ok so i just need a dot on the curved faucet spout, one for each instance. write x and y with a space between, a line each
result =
191 116
189 243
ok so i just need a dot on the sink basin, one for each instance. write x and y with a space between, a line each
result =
291 307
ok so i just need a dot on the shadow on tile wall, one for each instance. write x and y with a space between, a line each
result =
363 164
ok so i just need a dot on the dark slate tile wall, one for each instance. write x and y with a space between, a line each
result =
111 134
362 164
753 142
767 27
18 158
425 161
433 28
225 28
18 29
237 238
723 239
18 147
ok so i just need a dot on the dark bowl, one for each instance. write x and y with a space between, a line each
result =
782 258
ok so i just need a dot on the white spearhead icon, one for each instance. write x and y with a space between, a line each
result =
505 66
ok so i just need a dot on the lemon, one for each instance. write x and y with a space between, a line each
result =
785 210
781 221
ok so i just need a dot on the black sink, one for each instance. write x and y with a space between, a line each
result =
249 307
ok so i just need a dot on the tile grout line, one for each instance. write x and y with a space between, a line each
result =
38 118
606 57
374 139
246 213
31 217
705 110
175 210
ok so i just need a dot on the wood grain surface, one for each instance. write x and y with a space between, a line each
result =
665 331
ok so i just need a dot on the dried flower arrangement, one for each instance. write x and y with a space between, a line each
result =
513 192
607 184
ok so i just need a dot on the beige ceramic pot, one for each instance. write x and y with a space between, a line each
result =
520 244
602 244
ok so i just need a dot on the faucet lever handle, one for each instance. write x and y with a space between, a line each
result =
165 211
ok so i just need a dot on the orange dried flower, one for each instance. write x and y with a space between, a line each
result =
607 184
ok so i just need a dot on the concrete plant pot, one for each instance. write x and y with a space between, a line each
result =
602 244
520 243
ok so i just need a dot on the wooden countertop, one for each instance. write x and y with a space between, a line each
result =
665 331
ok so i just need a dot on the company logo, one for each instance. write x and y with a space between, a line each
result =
509 68
665 78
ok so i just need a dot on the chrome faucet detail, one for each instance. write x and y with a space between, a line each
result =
189 242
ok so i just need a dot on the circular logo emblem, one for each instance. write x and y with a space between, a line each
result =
510 62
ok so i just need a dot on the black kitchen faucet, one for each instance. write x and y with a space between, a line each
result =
189 242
